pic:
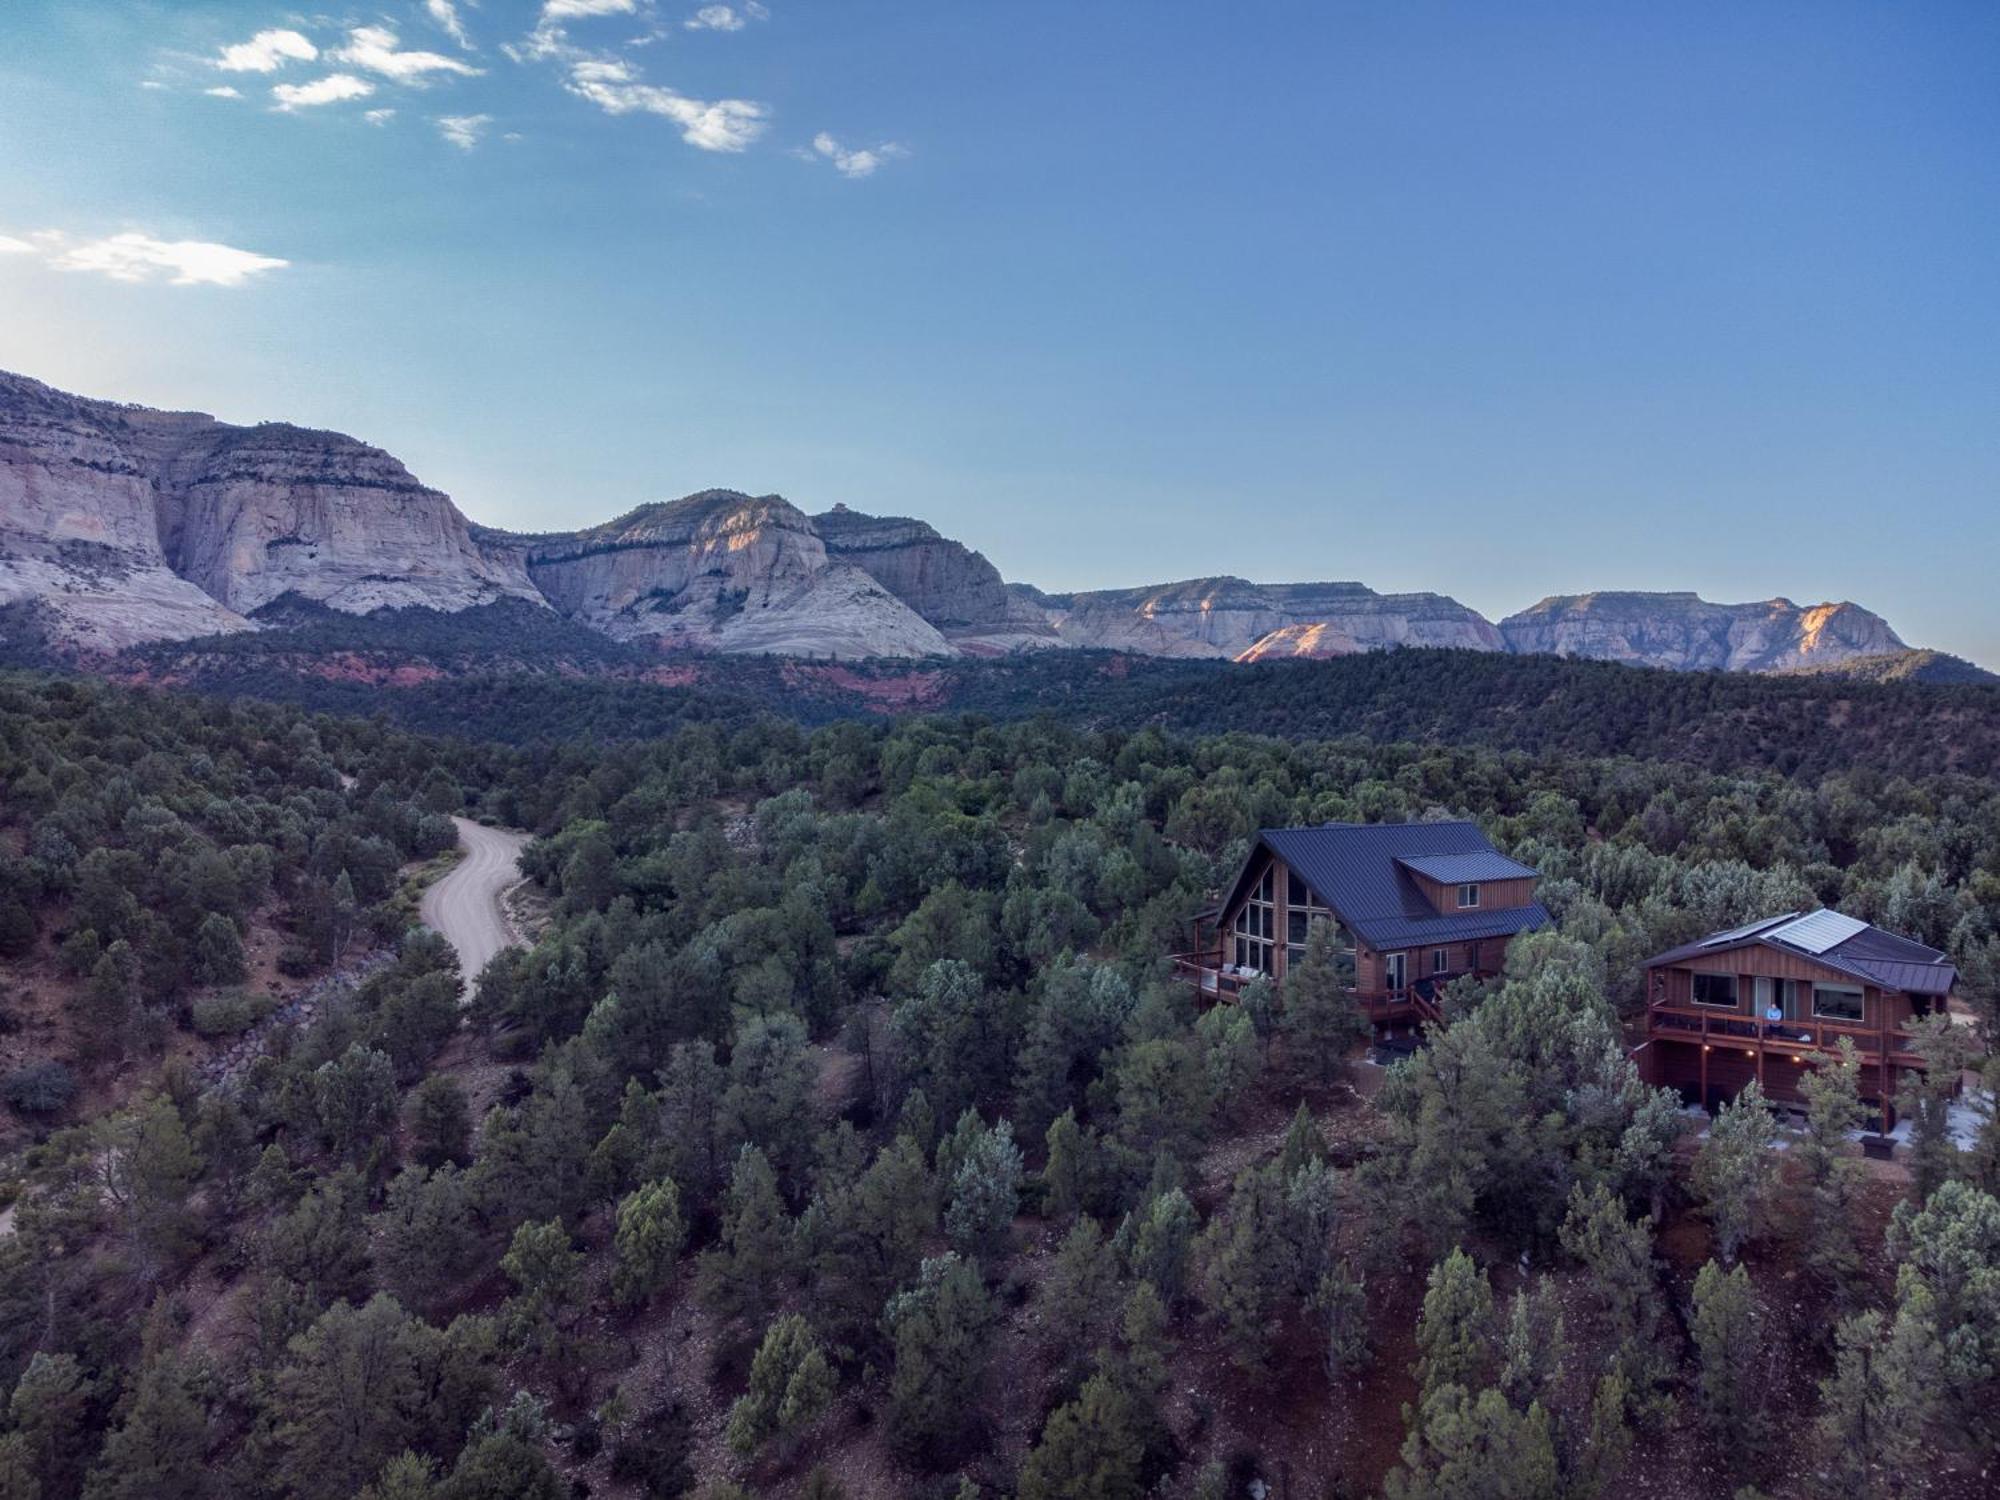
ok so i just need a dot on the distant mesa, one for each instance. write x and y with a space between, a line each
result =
123 525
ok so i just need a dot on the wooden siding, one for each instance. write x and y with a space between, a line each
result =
1673 984
1494 895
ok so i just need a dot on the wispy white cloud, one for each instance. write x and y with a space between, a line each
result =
727 17
378 116
335 88
266 52
377 49
152 84
134 257
463 131
713 125
223 91
853 163
577 10
444 14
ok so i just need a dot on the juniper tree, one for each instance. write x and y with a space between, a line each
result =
1091 1448
1624 1286
1454 1331
1303 1143
1246 1272
1321 1019
426 1244
1736 1170
649 1239
1948 1273
740 1276
985 1194
440 1122
940 1328
791 1383
156 1451
50 1414
1311 1212
1534 1345
1927 1095
1157 1243
1832 1172
1067 1174
1878 1406
866 1240
1078 1293
1728 1338
547 1274
1463 1446
1342 1302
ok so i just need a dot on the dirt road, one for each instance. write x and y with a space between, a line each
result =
465 905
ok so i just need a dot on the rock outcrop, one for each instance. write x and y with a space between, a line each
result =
1690 634
1230 617
131 525
720 571
121 525
956 589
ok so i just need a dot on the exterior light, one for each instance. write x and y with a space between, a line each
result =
1749 1051
1706 1048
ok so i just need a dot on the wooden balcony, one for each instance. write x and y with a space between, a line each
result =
1220 983
1800 1039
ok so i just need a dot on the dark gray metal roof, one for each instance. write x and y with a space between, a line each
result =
1460 869
1361 871
1871 954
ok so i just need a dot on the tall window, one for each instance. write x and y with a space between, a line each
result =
1468 895
1256 925
1440 960
1718 990
1302 909
1395 971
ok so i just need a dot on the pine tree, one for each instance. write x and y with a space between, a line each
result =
1247 1271
218 951
1454 1331
547 1274
649 1239
940 1328
1832 1172
985 1194
1342 1300
1878 1406
1624 1284
1090 1449
1081 1287
791 1383
1160 1245
156 1451
1466 1447
740 1277
1303 1143
440 1122
1320 1017
1728 1339
1534 1345
1736 1170
1067 1175
1927 1096
50 1415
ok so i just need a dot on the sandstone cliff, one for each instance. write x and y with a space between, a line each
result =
1230 617
720 571
132 525
956 589
1683 631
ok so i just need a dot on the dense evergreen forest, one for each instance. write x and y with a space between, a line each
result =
516 674
840 1131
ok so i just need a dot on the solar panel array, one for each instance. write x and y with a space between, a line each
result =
1748 929
1818 931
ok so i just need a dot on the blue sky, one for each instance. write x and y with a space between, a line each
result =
1498 299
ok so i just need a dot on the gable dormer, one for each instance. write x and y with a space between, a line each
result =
1458 885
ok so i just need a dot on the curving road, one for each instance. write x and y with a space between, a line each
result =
465 905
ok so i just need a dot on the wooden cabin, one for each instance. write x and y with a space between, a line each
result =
1414 905
1769 1000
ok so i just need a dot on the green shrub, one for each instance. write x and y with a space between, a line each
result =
39 1088
229 1013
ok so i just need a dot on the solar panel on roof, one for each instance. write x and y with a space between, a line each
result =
1737 934
1818 931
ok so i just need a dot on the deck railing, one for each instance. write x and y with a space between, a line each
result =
1218 981
1687 1023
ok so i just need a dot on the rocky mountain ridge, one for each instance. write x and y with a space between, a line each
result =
120 524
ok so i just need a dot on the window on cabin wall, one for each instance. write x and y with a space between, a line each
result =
1838 1002
1257 924
1395 971
1468 895
1718 990
1440 960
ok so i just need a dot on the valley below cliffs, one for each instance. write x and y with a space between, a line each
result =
121 525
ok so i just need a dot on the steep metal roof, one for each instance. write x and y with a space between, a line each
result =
1868 953
1460 869
1362 871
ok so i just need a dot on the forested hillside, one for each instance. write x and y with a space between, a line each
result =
510 673
842 1133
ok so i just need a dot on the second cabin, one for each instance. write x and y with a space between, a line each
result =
1414 905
